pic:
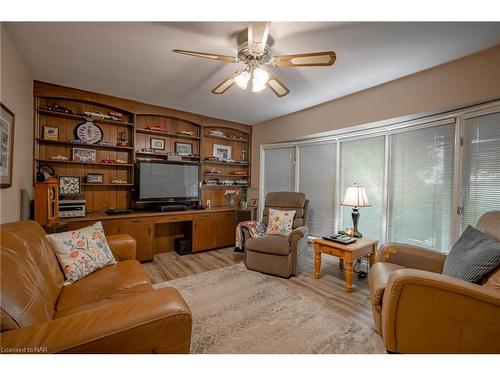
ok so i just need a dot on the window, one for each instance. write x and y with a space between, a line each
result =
279 169
416 174
421 186
481 174
317 163
362 161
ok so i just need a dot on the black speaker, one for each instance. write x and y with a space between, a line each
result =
183 246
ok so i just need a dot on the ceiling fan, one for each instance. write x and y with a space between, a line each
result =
255 52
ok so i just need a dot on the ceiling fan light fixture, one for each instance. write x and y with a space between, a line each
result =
257 85
261 75
242 79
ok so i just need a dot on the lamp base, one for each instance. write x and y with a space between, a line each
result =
356 234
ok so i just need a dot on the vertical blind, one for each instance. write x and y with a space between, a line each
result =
279 169
421 187
362 161
317 180
481 160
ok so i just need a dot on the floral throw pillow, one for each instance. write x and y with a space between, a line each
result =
82 251
280 222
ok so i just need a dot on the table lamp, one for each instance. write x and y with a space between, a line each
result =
355 196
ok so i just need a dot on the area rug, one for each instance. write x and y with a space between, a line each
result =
240 311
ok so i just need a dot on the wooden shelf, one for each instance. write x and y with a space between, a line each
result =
127 148
165 134
73 116
225 163
226 175
79 162
93 184
164 154
242 140
223 186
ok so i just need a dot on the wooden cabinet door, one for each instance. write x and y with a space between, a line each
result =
225 231
141 230
204 228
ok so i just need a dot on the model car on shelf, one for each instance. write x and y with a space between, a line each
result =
59 108
156 128
117 116
213 171
226 182
144 149
108 161
216 133
119 182
241 182
105 143
97 115
120 161
186 132
58 157
211 182
239 173
212 158
229 160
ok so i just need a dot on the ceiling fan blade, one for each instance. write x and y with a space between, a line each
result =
212 56
276 86
222 87
257 36
305 59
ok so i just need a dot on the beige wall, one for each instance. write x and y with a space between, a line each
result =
469 80
16 92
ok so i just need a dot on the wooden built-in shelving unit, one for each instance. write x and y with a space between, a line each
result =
137 117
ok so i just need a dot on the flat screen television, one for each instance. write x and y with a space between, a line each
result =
159 181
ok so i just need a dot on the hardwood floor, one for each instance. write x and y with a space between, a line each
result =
329 290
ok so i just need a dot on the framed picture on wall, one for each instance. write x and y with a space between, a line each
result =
51 133
95 178
7 121
157 144
84 155
69 185
223 152
182 148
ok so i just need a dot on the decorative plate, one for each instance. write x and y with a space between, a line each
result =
89 132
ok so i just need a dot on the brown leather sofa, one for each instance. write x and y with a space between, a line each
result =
113 310
419 310
279 255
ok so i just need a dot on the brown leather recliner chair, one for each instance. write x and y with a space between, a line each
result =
113 310
419 310
279 255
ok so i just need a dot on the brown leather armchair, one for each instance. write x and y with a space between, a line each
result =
279 255
113 310
419 310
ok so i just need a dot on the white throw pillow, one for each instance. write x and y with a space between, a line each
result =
82 251
280 222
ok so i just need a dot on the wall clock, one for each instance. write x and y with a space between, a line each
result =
88 132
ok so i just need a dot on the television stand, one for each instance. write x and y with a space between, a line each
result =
168 208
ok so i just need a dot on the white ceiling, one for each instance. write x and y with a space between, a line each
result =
134 60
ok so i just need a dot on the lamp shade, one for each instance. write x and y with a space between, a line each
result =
355 196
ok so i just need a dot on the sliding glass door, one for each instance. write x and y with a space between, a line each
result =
426 180
362 161
481 173
420 190
317 163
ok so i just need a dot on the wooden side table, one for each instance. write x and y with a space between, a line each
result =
346 253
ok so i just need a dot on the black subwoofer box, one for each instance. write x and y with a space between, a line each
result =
182 246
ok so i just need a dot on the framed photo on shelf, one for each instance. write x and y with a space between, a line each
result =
7 120
69 185
95 178
183 149
157 144
51 133
223 152
253 202
84 155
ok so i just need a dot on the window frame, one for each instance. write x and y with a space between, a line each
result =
386 128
